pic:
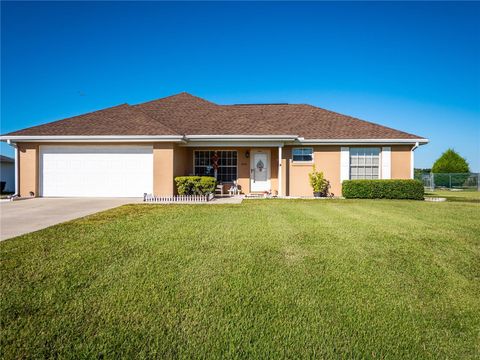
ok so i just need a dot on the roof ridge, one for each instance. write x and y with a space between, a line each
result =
175 95
258 104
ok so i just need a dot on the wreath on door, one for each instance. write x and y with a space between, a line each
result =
260 165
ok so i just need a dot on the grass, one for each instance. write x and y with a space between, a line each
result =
462 196
265 279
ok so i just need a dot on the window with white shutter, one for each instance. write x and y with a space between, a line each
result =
364 163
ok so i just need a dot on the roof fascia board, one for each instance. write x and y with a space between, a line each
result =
94 138
233 144
241 137
209 140
361 141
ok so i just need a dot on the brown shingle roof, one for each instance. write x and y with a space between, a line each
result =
185 114
118 120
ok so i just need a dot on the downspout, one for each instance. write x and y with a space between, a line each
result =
412 160
15 147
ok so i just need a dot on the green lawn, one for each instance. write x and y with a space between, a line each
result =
264 279
463 196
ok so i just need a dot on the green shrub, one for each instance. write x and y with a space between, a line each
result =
195 185
383 189
207 185
318 183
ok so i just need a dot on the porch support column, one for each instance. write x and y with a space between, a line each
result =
280 185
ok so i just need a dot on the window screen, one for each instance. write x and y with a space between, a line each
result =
364 163
227 164
302 154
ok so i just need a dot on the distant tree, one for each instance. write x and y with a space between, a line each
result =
450 162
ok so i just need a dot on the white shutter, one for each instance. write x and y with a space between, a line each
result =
344 163
386 162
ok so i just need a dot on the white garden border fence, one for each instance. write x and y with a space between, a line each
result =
177 198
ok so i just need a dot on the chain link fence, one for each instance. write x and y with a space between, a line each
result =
450 180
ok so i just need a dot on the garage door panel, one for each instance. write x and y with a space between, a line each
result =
96 171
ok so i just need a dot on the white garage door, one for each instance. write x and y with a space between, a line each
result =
96 171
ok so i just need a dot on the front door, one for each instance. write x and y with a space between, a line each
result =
260 170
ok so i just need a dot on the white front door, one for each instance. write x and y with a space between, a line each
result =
260 170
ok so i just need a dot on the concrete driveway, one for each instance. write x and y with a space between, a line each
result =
24 216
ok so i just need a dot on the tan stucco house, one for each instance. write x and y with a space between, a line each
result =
129 150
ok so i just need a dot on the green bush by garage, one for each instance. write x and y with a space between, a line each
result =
383 189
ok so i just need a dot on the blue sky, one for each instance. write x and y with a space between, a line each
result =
411 66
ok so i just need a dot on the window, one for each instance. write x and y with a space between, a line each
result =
364 163
227 164
302 154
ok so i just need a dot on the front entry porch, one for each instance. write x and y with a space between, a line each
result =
254 170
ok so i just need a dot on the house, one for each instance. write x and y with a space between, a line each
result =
129 150
7 174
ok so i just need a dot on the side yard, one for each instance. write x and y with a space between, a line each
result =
264 279
462 196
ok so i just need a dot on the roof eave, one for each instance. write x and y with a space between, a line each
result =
241 137
420 141
204 138
92 138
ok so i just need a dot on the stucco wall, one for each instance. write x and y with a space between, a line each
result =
325 158
171 160
28 169
401 158
163 169
243 170
274 169
181 161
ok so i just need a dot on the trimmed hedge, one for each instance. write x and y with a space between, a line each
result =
195 185
383 189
